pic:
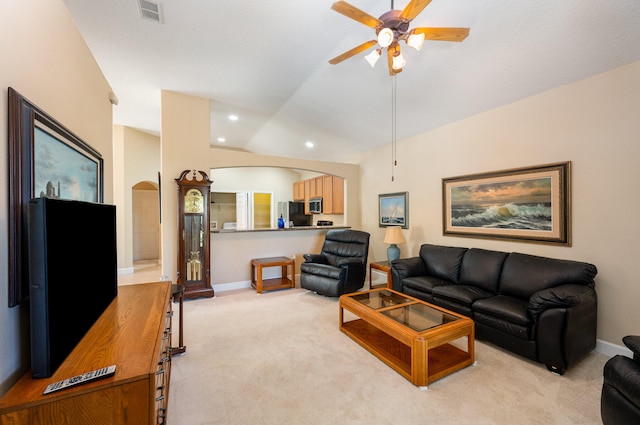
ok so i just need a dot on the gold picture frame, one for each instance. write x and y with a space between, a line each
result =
531 204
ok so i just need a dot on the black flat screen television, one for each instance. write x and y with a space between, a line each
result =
72 275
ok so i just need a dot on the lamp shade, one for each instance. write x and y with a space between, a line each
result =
394 235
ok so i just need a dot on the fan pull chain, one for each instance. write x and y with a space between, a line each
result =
394 161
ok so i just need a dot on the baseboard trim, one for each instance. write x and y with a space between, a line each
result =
125 270
611 350
231 286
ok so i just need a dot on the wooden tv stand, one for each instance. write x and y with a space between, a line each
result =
134 333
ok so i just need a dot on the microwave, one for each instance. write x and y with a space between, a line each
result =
315 205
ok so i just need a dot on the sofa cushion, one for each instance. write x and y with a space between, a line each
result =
504 326
507 308
461 294
523 275
481 268
507 314
423 283
442 262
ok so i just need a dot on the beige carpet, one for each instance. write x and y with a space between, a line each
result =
279 358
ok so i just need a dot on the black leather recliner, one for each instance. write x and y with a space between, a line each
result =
341 266
620 402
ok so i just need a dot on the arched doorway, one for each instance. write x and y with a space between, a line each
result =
145 217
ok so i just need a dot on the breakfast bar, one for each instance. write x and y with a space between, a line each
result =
233 250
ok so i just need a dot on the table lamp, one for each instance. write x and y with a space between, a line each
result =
393 236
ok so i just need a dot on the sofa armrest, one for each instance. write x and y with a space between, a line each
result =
623 374
633 343
406 267
315 258
558 297
565 322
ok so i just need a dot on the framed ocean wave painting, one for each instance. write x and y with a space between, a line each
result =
530 204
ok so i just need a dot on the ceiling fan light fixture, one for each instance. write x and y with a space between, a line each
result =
398 61
385 37
373 57
416 41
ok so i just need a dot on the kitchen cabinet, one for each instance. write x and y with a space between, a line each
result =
307 192
329 188
332 195
298 191
317 188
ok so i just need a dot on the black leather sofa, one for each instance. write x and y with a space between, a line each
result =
620 402
341 266
541 308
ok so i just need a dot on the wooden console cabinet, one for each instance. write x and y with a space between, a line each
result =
134 333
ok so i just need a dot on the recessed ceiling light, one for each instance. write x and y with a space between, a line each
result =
221 139
233 117
309 144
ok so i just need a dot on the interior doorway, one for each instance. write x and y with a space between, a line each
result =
145 222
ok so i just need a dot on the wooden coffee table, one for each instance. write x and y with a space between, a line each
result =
411 336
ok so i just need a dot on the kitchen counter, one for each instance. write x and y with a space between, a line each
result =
286 229
233 250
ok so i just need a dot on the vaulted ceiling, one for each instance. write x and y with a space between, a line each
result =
267 63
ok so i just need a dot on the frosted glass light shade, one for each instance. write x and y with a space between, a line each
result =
373 57
398 61
416 41
385 37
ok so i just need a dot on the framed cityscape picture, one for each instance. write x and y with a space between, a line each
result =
524 204
45 159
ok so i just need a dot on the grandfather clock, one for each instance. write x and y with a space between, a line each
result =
193 234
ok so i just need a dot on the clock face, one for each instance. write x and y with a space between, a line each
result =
194 202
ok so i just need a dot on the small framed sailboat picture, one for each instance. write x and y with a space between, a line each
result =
393 209
529 204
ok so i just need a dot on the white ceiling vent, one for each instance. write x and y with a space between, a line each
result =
150 10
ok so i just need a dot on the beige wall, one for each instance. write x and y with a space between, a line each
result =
46 60
185 145
593 123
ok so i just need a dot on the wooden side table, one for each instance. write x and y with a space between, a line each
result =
383 266
257 264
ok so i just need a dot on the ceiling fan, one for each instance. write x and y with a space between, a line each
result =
391 28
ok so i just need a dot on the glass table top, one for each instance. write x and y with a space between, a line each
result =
419 317
381 299
415 315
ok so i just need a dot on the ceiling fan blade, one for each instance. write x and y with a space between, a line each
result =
354 13
390 51
352 52
413 9
442 34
